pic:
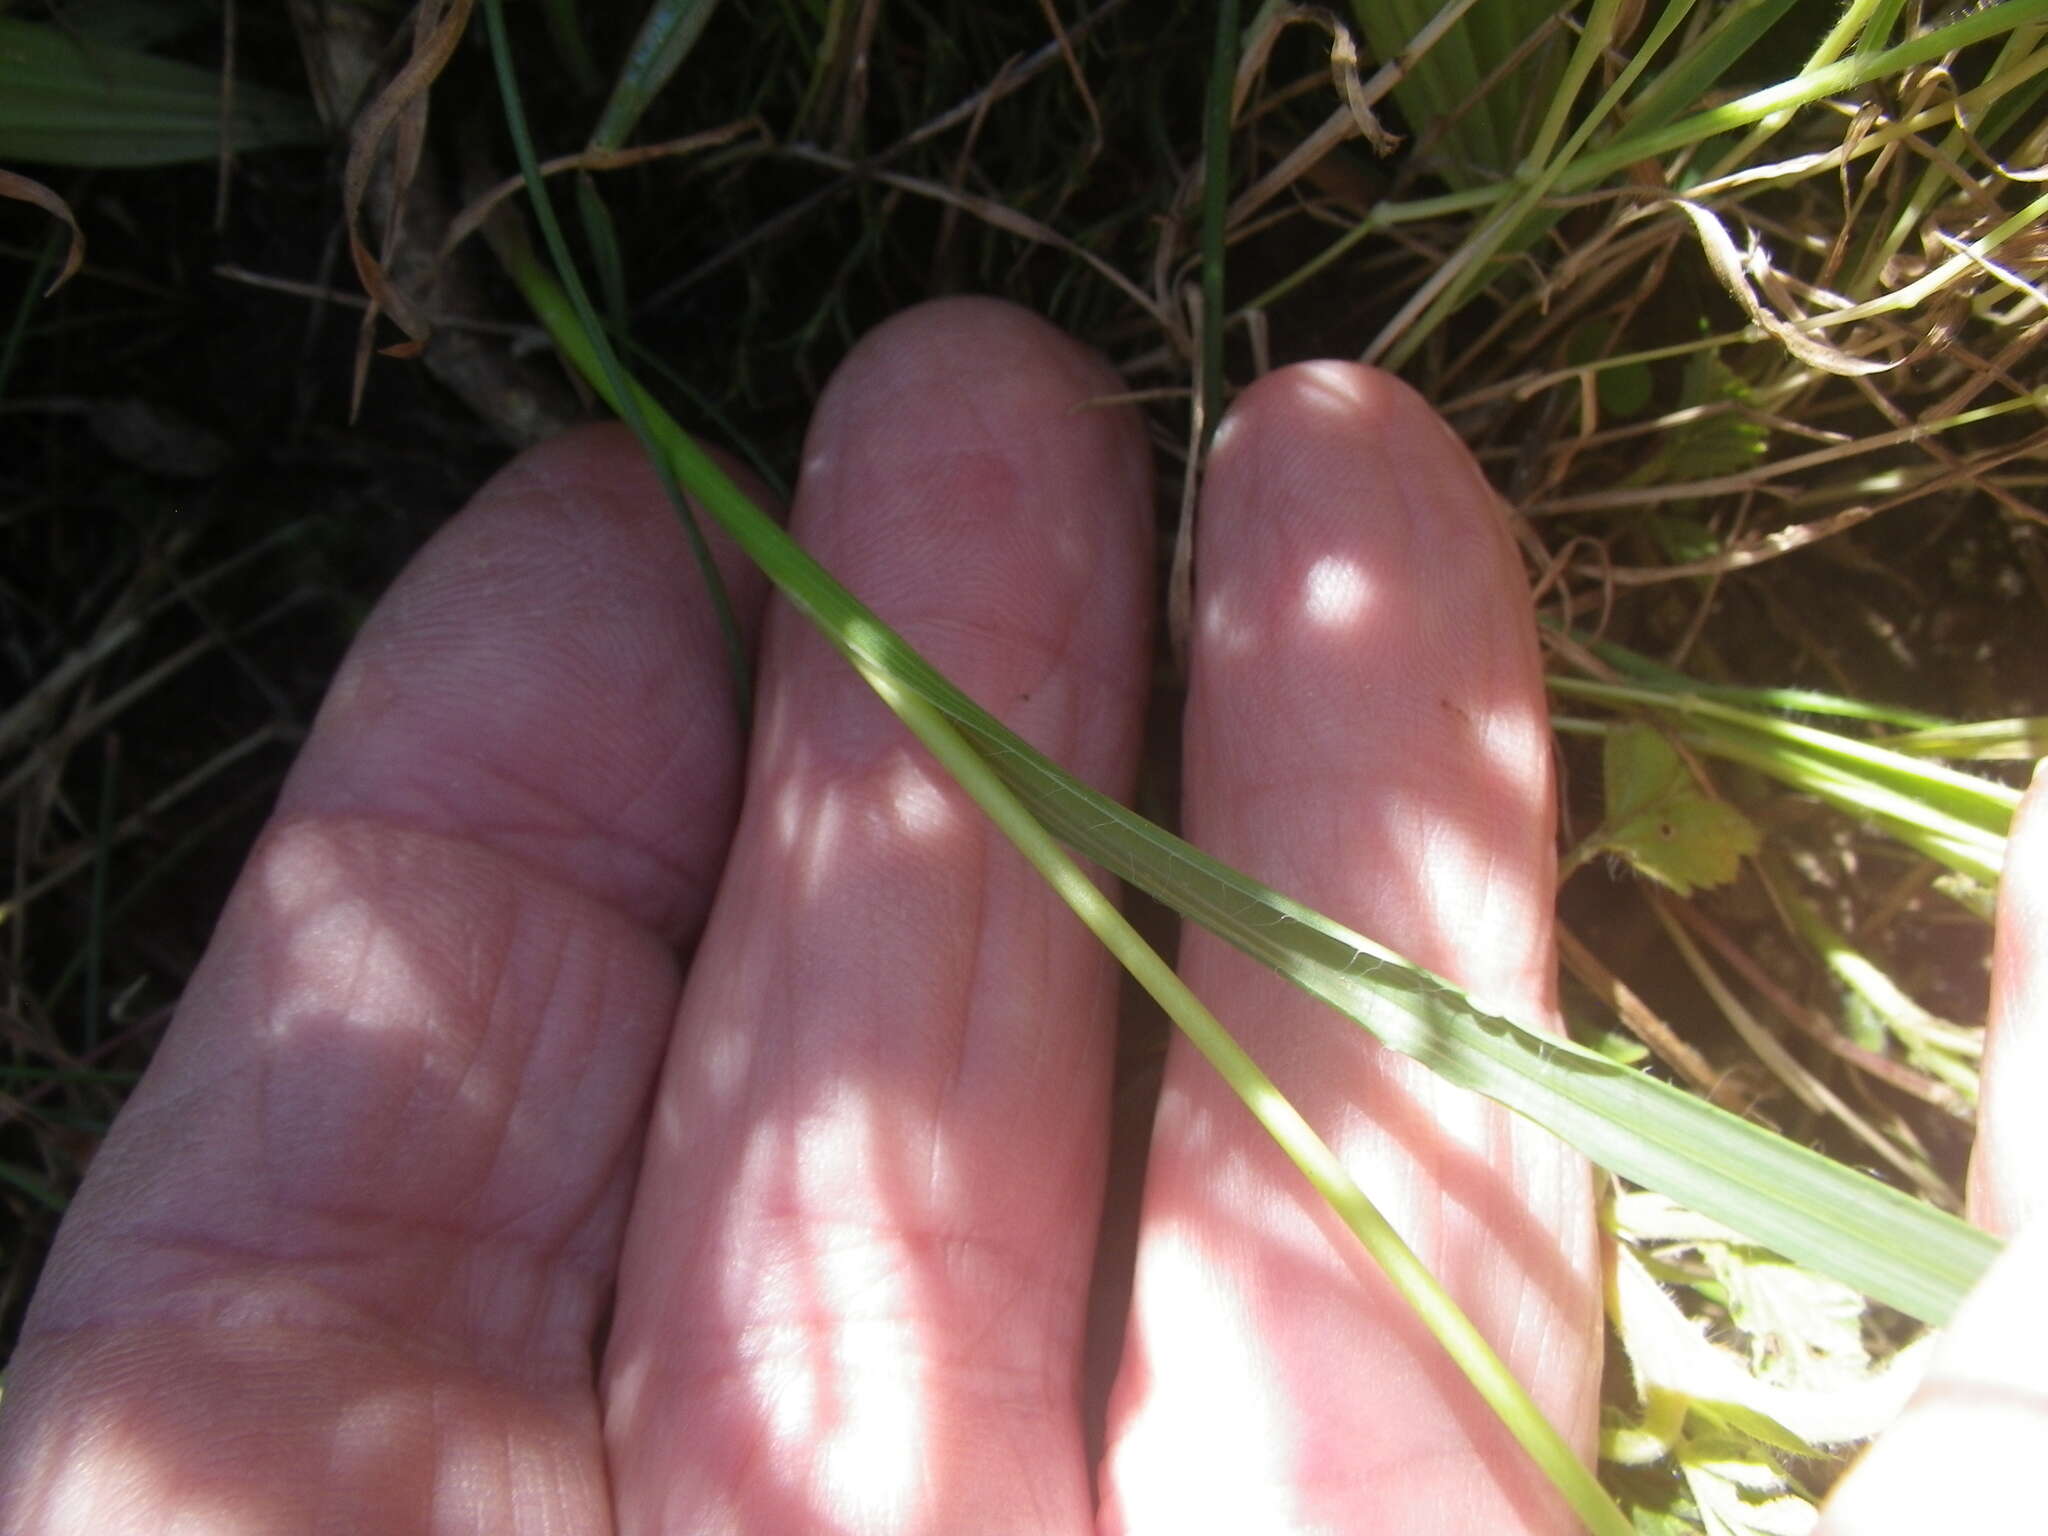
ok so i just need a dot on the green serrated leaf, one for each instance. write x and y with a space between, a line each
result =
1716 442
1671 1352
2017 740
1721 444
1757 1430
1659 819
1804 1329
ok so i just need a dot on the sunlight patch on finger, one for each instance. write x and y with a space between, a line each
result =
1330 389
866 1456
813 826
1157 1454
918 800
821 821
1336 593
1225 625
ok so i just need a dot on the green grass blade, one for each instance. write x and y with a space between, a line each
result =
1646 141
565 32
601 234
1796 701
1515 226
1955 797
34 1185
604 360
25 305
1699 67
64 101
2017 740
1648 133
1215 203
1420 1289
1956 842
667 34
1813 1210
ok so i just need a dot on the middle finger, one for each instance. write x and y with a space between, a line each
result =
853 1285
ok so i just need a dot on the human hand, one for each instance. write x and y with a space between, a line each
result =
455 1202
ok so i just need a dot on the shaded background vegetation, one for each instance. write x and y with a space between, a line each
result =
192 523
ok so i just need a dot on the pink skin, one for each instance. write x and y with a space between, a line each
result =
1965 1454
1366 732
440 1097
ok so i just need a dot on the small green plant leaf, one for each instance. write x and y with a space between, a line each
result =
1804 1329
1670 1353
1953 818
1662 822
1741 1491
1713 443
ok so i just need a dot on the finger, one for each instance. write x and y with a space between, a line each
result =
1962 1455
852 1293
1366 732
2009 1166
550 682
359 1217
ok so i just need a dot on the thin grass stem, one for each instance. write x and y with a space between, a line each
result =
1784 1196
1420 1289
1215 213
607 360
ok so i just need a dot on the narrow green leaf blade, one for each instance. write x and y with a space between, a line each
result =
65 102
1807 1207
1811 1209
1887 1244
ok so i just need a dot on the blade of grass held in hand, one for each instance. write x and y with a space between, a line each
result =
857 635
1897 1249
1420 1289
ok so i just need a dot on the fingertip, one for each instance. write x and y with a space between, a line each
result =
1007 350
1362 617
967 478
1961 1456
548 677
1366 732
980 375
882 1121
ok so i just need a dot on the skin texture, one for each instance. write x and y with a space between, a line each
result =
1366 732
587 1120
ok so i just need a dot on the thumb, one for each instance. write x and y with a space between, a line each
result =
1963 1456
